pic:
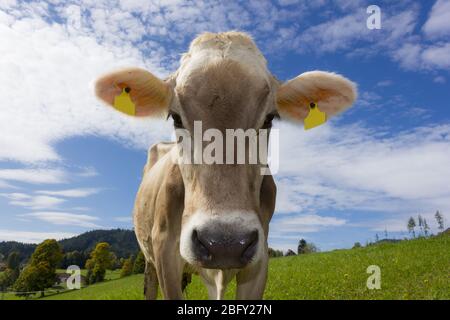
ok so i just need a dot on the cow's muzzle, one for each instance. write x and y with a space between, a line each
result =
227 240
214 249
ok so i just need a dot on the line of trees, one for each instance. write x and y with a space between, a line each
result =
40 272
12 271
303 247
416 227
422 225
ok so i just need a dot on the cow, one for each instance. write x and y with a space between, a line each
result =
213 219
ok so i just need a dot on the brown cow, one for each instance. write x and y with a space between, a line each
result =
213 219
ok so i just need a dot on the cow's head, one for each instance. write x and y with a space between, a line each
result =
223 82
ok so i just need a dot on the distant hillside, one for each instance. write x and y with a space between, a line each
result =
25 249
123 243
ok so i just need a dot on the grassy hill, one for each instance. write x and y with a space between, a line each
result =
414 269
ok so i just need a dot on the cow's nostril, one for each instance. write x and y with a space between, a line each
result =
200 248
251 244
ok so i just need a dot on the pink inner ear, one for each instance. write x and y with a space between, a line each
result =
107 89
332 93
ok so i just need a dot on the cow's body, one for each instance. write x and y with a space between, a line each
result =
213 218
157 219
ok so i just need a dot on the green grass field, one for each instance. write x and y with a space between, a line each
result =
414 269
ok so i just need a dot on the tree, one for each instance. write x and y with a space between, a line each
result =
73 258
48 251
13 261
120 263
114 261
40 273
439 220
7 279
420 221
139 264
273 253
301 246
357 245
376 237
127 268
311 248
35 277
385 233
11 273
101 259
426 227
411 226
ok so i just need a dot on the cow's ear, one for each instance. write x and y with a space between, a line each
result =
331 92
135 92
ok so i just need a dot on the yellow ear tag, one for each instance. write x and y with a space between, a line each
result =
315 117
124 104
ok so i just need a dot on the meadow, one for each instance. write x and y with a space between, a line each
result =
410 269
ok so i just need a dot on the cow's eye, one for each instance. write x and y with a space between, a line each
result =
269 118
177 123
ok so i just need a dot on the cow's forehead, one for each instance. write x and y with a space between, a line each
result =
209 49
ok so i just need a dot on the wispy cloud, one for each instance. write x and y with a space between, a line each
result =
32 201
71 193
384 83
127 219
303 223
34 176
31 236
440 79
65 218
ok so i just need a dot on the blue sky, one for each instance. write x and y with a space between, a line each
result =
68 164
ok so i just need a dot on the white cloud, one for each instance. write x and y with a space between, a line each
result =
304 223
396 38
34 176
64 218
5 185
385 83
440 79
285 231
353 168
71 193
31 201
335 34
344 32
55 65
127 219
88 172
32 237
438 23
438 56
409 55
